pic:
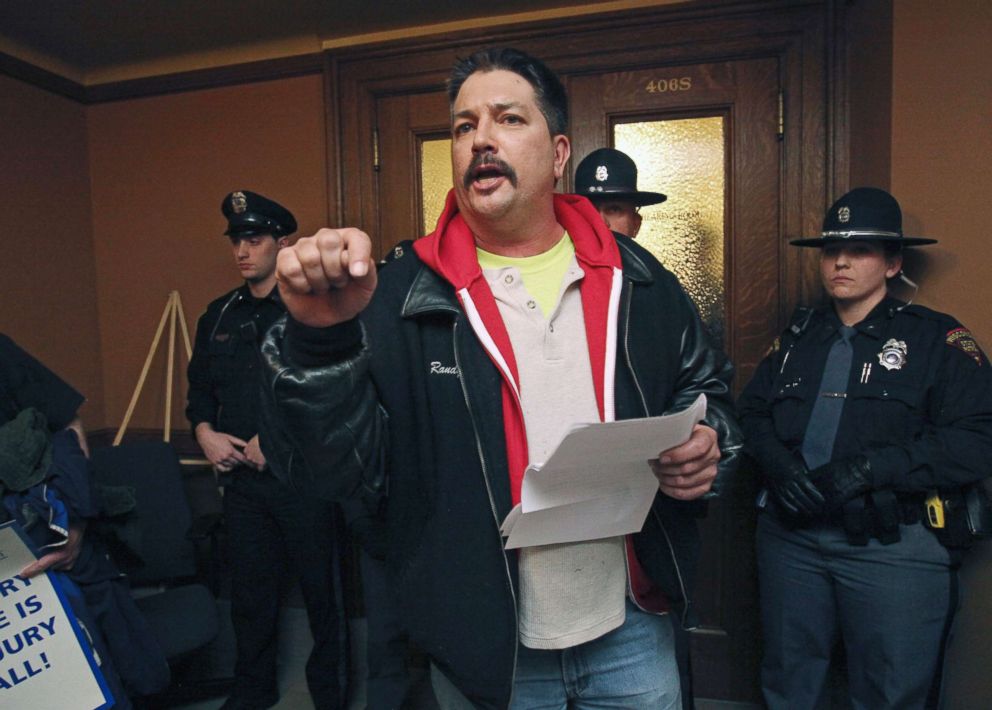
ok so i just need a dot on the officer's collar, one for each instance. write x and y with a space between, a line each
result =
874 324
246 295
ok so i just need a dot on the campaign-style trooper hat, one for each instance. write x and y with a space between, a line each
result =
609 173
249 214
864 214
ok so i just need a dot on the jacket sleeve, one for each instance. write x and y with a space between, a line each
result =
322 428
955 446
201 402
755 410
704 369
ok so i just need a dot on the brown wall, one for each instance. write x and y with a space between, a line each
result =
869 86
941 143
941 173
160 168
48 293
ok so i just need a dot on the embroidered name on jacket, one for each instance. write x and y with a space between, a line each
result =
439 369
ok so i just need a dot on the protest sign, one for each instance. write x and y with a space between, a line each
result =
45 660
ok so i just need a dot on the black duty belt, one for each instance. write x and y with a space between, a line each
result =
877 514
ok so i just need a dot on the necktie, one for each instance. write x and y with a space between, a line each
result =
818 443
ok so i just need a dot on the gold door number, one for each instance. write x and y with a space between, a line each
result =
661 86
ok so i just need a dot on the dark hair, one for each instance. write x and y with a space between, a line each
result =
548 89
891 249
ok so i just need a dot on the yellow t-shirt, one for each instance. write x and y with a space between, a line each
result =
542 274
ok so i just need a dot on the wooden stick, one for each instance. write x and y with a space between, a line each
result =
144 374
183 327
194 461
170 364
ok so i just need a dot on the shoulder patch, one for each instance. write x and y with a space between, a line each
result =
962 339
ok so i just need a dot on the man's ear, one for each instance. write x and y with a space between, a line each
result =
637 224
563 149
282 242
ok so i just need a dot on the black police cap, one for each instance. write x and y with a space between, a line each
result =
865 214
250 214
610 173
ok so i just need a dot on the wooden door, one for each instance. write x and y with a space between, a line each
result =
720 123
707 135
413 165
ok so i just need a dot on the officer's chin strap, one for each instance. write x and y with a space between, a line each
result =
909 282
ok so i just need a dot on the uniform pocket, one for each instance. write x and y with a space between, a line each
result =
221 360
791 406
886 411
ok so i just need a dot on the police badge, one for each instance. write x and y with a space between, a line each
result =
602 173
893 355
844 214
239 203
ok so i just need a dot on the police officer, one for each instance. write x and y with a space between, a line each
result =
862 409
272 531
608 177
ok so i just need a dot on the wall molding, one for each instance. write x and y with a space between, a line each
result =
197 79
41 78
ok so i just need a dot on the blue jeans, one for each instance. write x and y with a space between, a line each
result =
630 668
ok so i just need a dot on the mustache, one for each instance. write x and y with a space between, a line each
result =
488 160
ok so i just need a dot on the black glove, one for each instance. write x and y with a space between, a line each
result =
840 481
789 483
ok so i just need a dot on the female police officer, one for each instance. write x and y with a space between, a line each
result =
861 410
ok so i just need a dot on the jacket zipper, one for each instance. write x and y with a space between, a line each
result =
644 405
492 506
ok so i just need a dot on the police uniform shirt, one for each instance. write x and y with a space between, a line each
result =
224 370
923 419
25 382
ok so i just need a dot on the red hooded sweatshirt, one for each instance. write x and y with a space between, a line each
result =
450 250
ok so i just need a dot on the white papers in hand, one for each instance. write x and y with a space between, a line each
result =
597 483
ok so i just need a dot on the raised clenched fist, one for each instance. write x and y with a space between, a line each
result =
328 278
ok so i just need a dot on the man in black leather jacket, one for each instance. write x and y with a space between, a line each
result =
409 392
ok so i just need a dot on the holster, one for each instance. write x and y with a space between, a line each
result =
886 516
978 510
873 515
967 516
854 519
